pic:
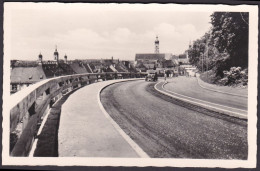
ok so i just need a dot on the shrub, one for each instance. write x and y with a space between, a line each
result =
235 76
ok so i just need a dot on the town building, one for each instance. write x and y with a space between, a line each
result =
25 73
184 58
157 60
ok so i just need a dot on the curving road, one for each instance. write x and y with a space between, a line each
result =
190 87
169 128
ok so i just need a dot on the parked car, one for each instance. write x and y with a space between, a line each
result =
151 77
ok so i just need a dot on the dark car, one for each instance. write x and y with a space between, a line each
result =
151 77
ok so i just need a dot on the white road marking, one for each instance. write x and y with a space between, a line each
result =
232 94
201 104
202 100
137 149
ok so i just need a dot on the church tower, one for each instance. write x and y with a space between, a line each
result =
40 59
65 59
156 43
56 55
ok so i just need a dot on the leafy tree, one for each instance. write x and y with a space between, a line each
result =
225 45
230 37
201 47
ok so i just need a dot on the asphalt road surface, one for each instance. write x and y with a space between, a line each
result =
168 128
188 86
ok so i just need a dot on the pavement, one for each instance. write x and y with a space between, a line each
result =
86 130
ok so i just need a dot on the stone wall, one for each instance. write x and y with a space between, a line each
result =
31 104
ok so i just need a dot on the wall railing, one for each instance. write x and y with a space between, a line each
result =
30 105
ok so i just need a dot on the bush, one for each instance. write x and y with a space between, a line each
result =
235 76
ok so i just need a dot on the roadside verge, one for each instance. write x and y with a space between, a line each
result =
204 85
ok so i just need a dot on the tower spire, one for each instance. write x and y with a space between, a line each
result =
40 59
56 54
156 43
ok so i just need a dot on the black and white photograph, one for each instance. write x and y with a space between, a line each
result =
110 84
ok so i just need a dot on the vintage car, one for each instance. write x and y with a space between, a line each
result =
151 77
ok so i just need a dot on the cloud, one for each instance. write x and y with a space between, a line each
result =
121 42
101 34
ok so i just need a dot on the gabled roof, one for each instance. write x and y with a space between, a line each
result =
108 69
140 65
182 56
27 74
150 56
149 66
87 67
168 63
130 67
107 62
120 67
78 67
52 70
20 63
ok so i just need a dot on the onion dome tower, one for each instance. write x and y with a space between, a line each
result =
56 55
40 59
65 59
156 43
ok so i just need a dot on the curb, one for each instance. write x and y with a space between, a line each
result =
232 94
223 111
136 148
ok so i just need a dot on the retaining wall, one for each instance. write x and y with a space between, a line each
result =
29 105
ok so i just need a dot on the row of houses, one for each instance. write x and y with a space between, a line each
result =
160 61
25 73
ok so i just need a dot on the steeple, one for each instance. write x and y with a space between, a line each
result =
65 58
40 59
156 43
56 54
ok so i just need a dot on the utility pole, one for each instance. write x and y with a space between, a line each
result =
202 62
207 57
208 52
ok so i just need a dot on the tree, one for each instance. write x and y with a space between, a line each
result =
198 49
230 37
225 45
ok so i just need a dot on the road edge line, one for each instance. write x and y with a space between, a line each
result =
203 101
233 114
218 90
131 142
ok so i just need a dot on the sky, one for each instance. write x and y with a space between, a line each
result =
89 31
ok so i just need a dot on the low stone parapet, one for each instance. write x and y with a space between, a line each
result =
29 105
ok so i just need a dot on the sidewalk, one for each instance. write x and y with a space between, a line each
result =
237 91
85 131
